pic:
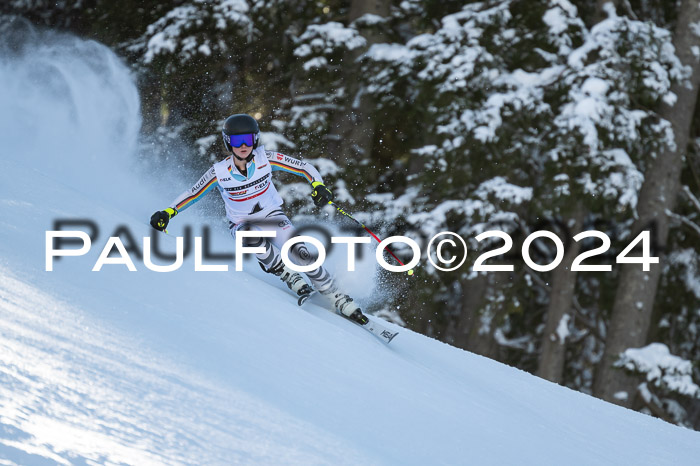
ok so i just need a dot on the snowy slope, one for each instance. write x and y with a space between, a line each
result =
219 368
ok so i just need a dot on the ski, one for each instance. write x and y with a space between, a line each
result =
372 326
378 330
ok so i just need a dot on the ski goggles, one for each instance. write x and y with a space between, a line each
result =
237 140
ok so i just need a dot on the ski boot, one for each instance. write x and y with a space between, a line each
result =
293 280
344 305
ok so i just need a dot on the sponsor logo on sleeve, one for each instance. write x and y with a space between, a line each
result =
199 184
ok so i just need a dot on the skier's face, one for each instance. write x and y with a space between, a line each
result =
242 151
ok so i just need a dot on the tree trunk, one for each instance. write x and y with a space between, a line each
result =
352 130
364 7
467 334
561 296
634 300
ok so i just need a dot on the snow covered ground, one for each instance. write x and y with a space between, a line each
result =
185 367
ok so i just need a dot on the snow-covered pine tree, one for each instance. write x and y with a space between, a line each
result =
529 115
634 301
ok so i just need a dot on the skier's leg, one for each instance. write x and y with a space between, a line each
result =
320 278
271 260
299 254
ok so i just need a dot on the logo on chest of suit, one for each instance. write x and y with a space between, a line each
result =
226 179
257 183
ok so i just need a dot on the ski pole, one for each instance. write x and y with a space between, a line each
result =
340 210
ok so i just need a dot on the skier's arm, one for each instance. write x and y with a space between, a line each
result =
281 162
321 195
206 183
160 219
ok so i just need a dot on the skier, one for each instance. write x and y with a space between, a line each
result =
252 203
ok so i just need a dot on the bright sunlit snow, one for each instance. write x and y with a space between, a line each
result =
119 367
